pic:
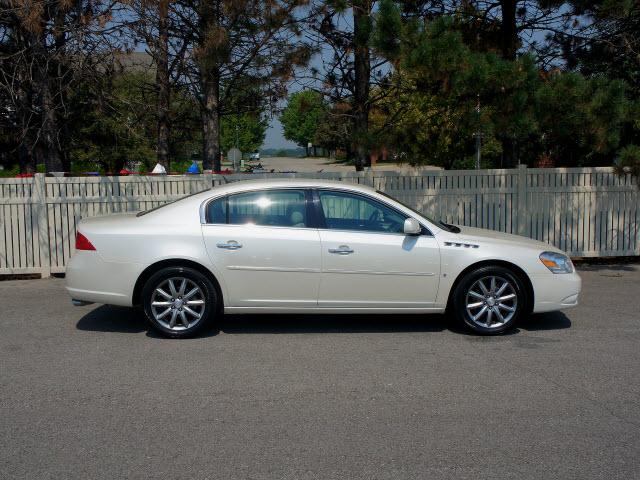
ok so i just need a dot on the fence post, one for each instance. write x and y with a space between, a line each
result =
522 200
40 202
368 177
207 181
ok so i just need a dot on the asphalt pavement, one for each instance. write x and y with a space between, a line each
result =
89 393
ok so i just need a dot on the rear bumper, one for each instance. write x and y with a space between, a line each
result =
555 291
90 279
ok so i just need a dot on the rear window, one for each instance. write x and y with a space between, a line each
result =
144 212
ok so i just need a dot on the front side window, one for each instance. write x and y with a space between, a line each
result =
276 208
347 211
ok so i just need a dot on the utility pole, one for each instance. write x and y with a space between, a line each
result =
478 136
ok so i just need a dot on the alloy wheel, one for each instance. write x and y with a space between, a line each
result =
491 301
178 303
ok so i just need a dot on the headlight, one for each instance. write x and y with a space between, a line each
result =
556 262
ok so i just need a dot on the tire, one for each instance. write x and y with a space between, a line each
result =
489 300
179 302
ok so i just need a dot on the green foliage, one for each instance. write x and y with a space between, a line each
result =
432 116
629 161
118 128
388 28
10 172
430 113
581 118
245 129
302 115
334 129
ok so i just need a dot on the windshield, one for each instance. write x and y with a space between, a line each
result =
439 223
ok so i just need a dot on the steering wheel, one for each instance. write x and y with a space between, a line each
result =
375 215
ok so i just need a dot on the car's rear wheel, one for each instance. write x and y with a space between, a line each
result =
179 301
489 300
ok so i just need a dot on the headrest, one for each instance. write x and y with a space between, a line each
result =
296 217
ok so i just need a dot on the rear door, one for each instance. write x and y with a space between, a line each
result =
262 242
367 260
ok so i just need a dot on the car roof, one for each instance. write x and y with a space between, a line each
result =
244 185
269 183
184 208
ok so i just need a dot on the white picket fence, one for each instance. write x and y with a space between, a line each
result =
588 212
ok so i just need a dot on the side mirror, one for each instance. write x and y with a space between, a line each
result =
412 227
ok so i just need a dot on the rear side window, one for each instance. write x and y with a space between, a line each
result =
277 208
217 211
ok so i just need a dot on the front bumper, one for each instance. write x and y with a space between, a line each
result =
555 291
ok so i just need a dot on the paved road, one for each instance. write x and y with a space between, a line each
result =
316 164
87 393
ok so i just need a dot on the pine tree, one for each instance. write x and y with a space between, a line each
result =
243 52
49 49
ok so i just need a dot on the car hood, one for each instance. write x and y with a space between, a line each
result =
480 235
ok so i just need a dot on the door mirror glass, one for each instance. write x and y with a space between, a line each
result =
412 227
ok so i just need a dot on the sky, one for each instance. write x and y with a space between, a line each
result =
274 137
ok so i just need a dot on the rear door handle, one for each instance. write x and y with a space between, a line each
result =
230 245
341 250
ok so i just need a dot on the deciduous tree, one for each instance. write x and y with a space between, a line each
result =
301 117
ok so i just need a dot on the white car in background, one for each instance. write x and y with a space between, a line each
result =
310 246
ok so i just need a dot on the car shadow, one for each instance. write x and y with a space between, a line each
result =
107 318
537 322
545 321
113 319
587 267
325 323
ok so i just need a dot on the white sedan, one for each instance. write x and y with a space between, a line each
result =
310 246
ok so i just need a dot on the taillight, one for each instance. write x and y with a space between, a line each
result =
83 243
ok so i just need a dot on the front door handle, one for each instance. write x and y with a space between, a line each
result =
230 245
341 250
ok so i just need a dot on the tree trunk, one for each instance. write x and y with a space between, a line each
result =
26 158
509 29
509 40
49 129
362 74
60 42
210 15
211 122
46 102
162 84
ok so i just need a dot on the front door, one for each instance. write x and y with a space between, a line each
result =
367 260
262 244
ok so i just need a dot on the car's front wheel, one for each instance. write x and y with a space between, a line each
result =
179 301
489 300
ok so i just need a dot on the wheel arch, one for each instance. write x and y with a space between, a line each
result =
516 270
174 262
